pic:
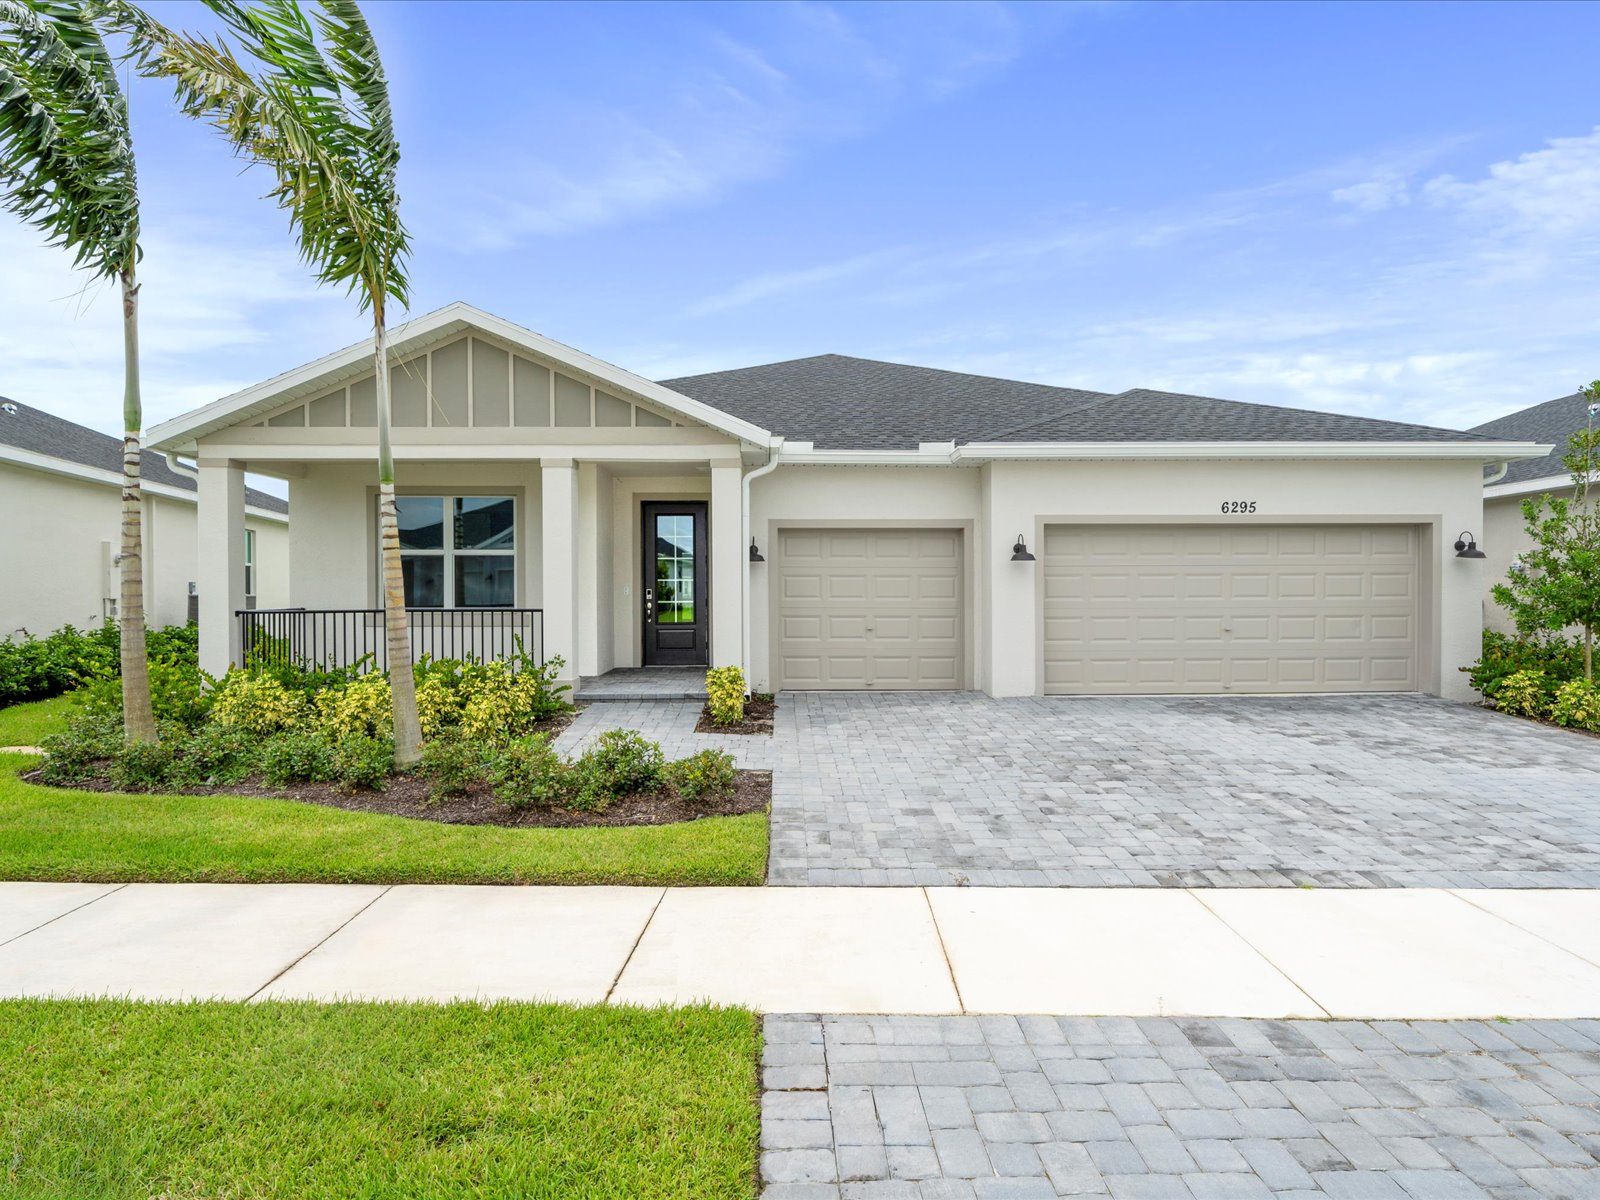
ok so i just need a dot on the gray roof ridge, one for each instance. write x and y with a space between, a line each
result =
1466 435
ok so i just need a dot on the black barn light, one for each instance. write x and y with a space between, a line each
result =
756 555
1467 546
1019 552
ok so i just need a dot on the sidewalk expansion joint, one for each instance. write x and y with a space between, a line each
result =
617 978
944 951
1259 952
68 913
1533 933
300 958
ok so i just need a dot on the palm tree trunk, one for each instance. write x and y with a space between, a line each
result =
402 681
138 719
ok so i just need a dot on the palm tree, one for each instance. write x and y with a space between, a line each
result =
315 110
66 166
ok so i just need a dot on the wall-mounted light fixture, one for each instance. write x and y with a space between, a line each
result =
755 555
1467 546
1019 552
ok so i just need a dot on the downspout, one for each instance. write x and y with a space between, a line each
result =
1499 473
774 448
178 467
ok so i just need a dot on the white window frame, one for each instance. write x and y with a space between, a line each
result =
249 562
449 553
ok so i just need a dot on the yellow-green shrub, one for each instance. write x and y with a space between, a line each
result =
258 704
725 692
438 703
362 708
1525 693
1577 705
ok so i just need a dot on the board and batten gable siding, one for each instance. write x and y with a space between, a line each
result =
471 382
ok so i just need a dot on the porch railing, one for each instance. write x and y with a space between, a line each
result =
339 638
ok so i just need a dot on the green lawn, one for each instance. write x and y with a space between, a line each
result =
56 833
114 1100
28 724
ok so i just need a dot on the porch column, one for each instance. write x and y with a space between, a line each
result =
727 565
559 493
587 524
220 567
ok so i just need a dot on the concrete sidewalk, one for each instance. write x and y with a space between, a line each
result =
1406 954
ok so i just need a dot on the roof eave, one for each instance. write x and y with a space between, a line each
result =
182 434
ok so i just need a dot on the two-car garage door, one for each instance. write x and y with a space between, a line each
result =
1230 609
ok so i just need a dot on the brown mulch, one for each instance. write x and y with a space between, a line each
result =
407 796
758 715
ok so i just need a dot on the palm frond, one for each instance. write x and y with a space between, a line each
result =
66 157
312 110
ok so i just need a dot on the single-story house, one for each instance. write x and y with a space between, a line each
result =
834 522
1504 529
61 493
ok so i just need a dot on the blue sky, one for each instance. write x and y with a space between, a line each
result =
1384 209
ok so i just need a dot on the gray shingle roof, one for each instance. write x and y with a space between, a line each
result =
1554 422
34 429
1144 415
840 402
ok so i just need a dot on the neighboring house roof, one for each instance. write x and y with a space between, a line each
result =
839 402
33 429
1554 421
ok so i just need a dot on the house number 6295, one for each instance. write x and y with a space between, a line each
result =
1238 506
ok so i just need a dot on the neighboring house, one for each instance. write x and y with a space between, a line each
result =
1504 530
61 496
835 522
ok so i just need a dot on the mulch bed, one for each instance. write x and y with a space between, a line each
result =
407 796
758 715
1545 721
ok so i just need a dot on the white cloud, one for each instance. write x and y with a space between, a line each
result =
1551 192
1374 195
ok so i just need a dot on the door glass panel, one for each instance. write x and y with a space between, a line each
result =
421 522
484 523
485 580
424 575
675 598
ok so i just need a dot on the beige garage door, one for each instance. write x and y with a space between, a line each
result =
869 608
1232 609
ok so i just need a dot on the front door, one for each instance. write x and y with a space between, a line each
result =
676 612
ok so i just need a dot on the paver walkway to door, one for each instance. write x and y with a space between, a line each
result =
934 789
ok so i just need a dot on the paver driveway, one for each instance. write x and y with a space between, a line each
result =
940 788
991 1108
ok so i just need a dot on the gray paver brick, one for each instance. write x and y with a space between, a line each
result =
1385 1123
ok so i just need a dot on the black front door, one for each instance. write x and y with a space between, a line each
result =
676 609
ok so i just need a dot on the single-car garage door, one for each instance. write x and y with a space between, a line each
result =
869 608
1231 609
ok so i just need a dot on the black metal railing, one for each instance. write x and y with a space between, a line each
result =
341 638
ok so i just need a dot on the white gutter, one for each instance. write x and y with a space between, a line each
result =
48 464
1527 487
178 466
1498 474
774 450
936 454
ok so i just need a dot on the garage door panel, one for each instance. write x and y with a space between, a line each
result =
878 608
1214 608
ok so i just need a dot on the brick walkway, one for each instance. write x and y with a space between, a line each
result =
957 788
989 1108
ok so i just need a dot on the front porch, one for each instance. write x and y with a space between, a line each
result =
644 683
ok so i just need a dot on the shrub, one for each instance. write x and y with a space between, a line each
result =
725 692
75 753
34 668
296 757
529 773
213 755
452 766
177 691
438 699
145 766
361 708
1560 659
617 763
362 762
1577 705
498 703
258 704
707 775
1525 693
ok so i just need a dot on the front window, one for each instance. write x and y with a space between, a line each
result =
458 551
249 562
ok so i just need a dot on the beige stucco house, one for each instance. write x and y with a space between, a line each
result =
61 496
1505 534
836 522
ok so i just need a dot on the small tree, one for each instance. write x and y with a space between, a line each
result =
66 167
1556 585
313 107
